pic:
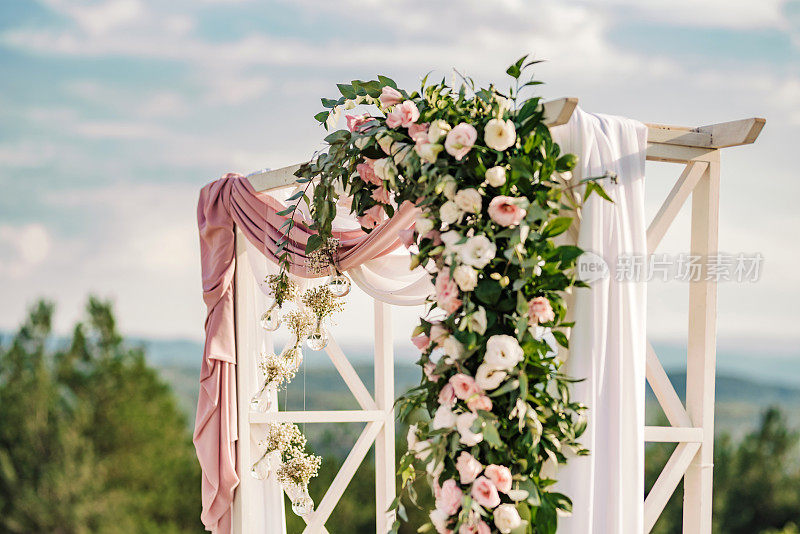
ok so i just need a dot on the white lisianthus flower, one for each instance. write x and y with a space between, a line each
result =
496 176
428 152
489 378
466 277
400 156
422 450
361 142
437 130
384 169
386 142
439 520
449 187
503 352
477 321
453 348
504 105
464 424
449 212
450 239
518 495
443 418
499 134
423 225
469 200
477 251
506 518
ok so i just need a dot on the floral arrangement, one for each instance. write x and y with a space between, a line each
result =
492 417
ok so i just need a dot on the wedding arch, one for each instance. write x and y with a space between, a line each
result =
697 151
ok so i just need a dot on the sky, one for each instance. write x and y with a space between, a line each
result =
113 114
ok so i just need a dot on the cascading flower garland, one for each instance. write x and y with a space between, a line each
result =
492 417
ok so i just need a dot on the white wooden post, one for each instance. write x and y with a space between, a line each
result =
384 398
701 358
257 504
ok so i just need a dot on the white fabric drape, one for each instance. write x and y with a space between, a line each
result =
607 345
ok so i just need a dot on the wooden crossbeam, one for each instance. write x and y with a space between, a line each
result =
666 483
672 434
722 135
335 491
664 391
350 376
673 203
325 416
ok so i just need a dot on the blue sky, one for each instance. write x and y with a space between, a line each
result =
115 113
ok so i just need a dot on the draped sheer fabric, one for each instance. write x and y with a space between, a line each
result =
230 203
608 342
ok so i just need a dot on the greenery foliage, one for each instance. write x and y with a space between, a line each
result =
91 438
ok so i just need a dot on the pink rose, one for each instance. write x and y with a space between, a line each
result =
485 493
394 118
449 497
505 211
468 468
408 113
419 133
446 292
439 333
435 236
390 96
479 527
429 369
500 476
464 386
372 217
367 172
447 396
355 123
381 194
540 311
460 140
480 402
421 341
406 237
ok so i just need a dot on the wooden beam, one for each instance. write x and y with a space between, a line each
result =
722 135
673 204
666 483
672 434
559 111
326 416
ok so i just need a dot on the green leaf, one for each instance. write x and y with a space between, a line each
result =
346 90
557 226
566 162
322 116
314 242
387 81
516 69
491 435
488 291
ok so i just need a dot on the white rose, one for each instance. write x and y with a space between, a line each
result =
384 169
453 347
499 134
450 186
469 200
503 352
496 176
333 117
423 225
506 518
504 105
428 152
450 239
466 277
477 321
489 378
449 212
477 251
437 130
443 418
464 425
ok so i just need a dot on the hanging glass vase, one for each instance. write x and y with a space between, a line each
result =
318 338
271 319
302 503
339 285
262 400
269 461
293 353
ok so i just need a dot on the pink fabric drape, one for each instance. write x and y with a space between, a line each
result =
225 204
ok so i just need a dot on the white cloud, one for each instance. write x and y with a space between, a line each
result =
102 17
22 249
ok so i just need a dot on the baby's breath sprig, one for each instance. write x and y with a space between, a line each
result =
300 323
299 467
281 437
282 288
276 368
320 260
322 302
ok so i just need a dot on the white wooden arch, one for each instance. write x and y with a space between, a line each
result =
690 426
